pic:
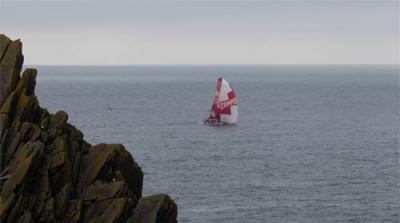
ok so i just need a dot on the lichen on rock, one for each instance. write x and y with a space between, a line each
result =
49 173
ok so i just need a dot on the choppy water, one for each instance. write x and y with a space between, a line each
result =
313 143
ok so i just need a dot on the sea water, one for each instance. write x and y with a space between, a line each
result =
314 143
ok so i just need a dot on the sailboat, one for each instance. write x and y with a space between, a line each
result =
224 108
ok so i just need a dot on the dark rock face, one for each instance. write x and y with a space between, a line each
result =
157 208
49 173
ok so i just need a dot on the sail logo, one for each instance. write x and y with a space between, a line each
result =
227 103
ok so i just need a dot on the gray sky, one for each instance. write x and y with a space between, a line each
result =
204 32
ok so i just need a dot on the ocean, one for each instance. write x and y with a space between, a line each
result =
314 143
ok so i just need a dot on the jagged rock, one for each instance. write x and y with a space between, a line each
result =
26 217
27 82
26 160
29 132
155 209
6 204
73 211
58 121
103 162
20 172
11 144
110 210
49 173
3 124
8 104
10 65
103 191
61 200
5 41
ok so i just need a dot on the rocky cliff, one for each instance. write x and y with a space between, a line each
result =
49 173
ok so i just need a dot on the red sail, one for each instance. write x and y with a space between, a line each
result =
224 107
215 109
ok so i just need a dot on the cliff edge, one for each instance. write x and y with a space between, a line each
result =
49 173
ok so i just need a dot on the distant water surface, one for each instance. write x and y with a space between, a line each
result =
316 143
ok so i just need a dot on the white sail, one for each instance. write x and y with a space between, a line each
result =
224 109
228 102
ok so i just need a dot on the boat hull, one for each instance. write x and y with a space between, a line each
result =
214 122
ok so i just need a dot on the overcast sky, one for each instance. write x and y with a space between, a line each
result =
204 32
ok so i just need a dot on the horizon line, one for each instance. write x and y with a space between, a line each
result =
183 64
